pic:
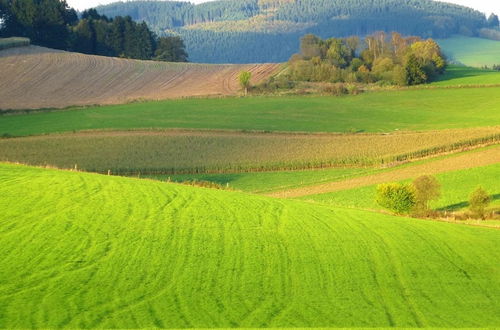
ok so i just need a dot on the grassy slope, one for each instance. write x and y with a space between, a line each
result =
263 182
475 52
83 250
462 75
456 187
371 112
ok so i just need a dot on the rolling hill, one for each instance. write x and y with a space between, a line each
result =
84 251
57 79
248 31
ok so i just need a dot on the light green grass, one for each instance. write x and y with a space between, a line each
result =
264 182
475 52
456 187
85 251
371 112
462 76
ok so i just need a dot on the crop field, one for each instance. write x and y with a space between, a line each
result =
6 43
386 111
194 257
177 152
455 186
463 76
277 182
468 160
476 52
57 79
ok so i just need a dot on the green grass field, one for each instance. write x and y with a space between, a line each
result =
371 112
85 250
476 52
456 187
456 75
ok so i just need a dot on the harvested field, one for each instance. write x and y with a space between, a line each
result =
36 77
465 161
178 151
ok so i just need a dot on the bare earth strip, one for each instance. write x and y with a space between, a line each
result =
36 77
460 162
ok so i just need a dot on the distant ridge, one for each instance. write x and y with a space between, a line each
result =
248 31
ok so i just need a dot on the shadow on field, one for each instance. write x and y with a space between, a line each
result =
461 205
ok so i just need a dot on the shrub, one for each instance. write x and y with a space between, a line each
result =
478 202
338 89
397 197
427 188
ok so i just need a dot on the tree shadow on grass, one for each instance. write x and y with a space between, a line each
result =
461 205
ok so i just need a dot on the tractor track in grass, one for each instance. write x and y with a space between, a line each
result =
35 78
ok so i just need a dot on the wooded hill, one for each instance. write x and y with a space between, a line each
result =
269 30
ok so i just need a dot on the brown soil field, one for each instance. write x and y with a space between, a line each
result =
459 162
36 77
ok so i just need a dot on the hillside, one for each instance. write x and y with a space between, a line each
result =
125 253
474 52
248 31
36 77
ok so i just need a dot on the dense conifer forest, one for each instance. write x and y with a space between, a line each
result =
269 30
52 23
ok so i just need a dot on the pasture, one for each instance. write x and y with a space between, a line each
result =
475 52
84 250
456 75
57 79
456 187
180 152
384 111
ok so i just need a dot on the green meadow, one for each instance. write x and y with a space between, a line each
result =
91 251
476 52
456 187
456 75
382 111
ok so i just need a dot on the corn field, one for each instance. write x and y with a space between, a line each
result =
187 152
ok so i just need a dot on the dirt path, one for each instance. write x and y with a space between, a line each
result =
36 77
460 162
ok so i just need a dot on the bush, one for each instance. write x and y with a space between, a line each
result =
427 188
338 89
478 202
397 197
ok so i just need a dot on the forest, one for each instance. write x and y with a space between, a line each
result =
235 28
53 24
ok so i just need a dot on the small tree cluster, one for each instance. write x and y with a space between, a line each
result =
411 198
380 57
414 198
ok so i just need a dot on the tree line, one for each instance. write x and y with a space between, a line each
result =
380 57
52 23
